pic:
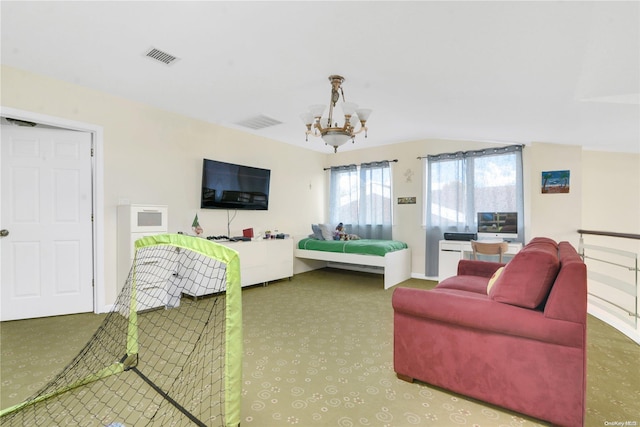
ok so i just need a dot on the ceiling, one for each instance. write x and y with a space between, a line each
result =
562 72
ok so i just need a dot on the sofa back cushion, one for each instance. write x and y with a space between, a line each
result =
528 277
568 297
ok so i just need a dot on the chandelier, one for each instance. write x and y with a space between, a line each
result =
333 134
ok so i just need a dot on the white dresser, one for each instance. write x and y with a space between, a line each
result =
135 222
452 251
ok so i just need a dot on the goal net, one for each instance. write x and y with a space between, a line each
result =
168 354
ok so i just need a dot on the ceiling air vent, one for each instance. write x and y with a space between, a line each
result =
160 56
258 122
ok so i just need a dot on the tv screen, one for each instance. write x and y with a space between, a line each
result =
499 223
231 186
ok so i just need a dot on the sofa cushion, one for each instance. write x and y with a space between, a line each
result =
470 267
493 279
528 277
543 240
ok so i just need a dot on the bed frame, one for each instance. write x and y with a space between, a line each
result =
395 266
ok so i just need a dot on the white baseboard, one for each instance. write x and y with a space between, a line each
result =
106 309
423 277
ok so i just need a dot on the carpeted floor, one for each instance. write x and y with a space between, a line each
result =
318 351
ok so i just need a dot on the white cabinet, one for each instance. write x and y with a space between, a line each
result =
261 261
265 260
135 222
198 275
452 251
449 255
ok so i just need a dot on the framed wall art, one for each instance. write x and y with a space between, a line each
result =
406 200
554 182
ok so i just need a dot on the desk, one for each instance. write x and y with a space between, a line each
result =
452 251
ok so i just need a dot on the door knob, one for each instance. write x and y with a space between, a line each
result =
4 233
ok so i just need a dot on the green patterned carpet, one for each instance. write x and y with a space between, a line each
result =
318 351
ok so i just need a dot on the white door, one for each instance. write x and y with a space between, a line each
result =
46 245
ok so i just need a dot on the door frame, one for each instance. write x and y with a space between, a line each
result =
97 189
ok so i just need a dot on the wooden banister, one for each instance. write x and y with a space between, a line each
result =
611 234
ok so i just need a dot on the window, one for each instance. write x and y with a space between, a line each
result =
360 197
459 185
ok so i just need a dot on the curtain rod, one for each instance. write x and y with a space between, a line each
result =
365 163
474 151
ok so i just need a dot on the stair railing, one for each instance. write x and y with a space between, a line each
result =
613 276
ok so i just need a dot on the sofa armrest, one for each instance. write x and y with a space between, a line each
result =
479 312
468 267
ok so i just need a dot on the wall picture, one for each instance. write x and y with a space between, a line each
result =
554 182
406 200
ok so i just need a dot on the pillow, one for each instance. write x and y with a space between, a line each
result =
317 234
327 231
493 279
528 277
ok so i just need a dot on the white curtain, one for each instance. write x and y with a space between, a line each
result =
458 185
343 195
361 198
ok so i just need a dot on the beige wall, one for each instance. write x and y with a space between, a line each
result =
154 156
612 192
558 216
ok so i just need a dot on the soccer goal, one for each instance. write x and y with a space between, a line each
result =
160 357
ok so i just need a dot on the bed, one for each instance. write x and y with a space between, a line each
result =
388 257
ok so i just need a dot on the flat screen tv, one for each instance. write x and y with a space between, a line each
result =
500 225
232 186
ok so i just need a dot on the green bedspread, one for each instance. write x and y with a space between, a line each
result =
362 246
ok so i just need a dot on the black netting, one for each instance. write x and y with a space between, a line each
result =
175 378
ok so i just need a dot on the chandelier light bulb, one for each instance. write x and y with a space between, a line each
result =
317 110
307 119
363 114
349 108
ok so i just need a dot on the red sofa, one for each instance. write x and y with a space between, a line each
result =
521 345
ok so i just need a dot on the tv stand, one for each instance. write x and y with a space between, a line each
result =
261 261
